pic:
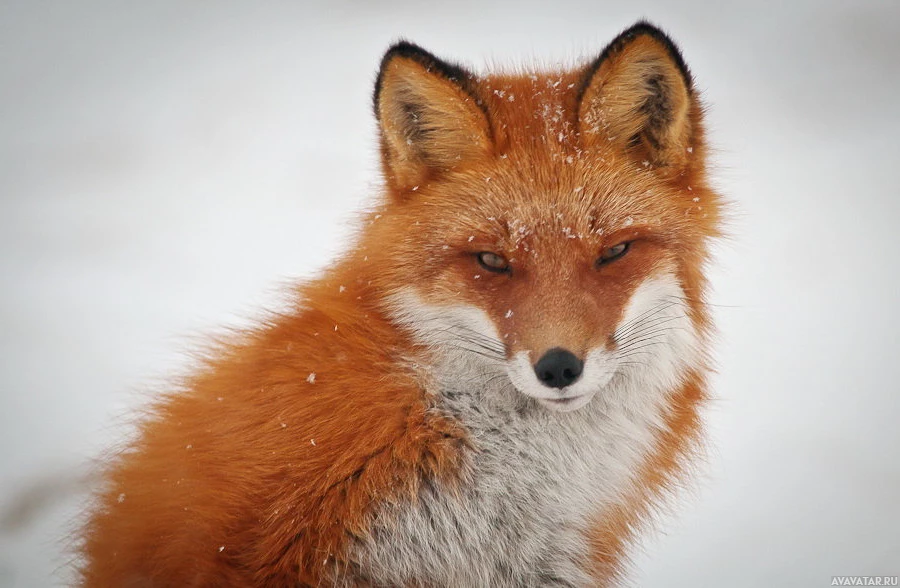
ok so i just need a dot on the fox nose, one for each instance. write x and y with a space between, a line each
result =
558 368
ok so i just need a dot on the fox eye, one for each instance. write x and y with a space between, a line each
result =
613 253
493 262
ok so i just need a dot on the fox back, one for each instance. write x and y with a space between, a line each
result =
491 388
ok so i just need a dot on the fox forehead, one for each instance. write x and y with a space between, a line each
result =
515 206
533 108
535 194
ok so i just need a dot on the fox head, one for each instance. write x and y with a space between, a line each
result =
552 225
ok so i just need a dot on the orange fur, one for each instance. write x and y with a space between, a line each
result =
279 471
258 473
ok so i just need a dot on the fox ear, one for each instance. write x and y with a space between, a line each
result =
429 118
638 96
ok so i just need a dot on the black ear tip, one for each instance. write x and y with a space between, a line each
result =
404 49
646 28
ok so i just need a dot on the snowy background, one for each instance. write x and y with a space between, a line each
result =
166 167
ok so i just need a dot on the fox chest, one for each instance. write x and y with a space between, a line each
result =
537 485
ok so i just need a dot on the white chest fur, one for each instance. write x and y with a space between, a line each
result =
537 481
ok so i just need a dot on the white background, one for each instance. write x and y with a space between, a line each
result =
166 167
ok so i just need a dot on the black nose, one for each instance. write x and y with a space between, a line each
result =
558 368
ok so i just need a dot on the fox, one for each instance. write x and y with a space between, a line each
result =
496 384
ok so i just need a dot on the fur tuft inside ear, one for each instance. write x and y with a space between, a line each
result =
638 96
429 116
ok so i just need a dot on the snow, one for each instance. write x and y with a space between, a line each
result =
167 167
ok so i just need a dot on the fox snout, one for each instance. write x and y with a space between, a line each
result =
558 368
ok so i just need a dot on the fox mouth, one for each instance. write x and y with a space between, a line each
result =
567 404
563 400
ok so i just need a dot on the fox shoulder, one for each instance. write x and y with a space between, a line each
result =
263 468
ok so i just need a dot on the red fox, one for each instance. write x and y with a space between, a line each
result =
493 387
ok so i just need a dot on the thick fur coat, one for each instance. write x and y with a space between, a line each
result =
401 426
